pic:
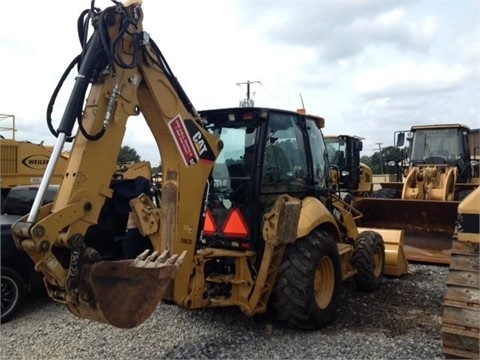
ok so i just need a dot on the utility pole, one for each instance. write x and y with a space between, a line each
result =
381 157
247 101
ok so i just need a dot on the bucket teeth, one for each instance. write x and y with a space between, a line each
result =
144 260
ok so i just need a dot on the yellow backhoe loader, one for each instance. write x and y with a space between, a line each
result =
441 171
246 216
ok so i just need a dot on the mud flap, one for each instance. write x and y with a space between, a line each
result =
125 293
396 263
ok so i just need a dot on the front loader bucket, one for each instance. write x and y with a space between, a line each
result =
125 293
396 263
428 225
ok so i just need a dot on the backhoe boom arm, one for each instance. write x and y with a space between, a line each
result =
128 76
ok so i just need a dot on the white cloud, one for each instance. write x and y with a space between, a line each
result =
368 67
408 78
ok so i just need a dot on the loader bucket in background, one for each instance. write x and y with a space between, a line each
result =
125 293
396 263
428 225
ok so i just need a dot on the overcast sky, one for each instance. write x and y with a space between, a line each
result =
368 67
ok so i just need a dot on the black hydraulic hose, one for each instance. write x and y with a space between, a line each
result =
75 102
104 38
115 47
127 21
97 47
82 27
55 94
173 80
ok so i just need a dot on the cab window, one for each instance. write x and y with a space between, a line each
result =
284 166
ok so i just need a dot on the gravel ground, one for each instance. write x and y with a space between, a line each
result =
400 321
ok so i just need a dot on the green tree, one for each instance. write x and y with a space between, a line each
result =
388 159
367 160
128 154
395 160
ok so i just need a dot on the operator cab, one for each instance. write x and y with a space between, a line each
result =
266 153
446 144
344 154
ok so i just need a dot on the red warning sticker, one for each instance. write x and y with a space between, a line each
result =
183 141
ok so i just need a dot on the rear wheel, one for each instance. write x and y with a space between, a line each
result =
369 260
12 291
307 290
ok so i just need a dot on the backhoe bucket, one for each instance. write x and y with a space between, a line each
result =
428 225
125 293
396 263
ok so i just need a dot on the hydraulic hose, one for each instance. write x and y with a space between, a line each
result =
77 96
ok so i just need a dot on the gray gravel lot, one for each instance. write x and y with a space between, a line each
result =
400 321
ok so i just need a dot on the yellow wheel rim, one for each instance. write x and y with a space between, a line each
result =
377 261
324 282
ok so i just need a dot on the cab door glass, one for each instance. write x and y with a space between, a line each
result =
319 156
232 170
285 165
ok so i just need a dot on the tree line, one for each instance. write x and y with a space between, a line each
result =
386 161
128 154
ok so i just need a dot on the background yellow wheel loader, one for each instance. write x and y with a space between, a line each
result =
442 169
246 216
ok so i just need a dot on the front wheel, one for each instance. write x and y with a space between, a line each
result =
306 293
13 292
369 260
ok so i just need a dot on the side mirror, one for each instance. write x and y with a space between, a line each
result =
400 139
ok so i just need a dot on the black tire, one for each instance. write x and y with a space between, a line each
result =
386 193
13 293
306 293
369 260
